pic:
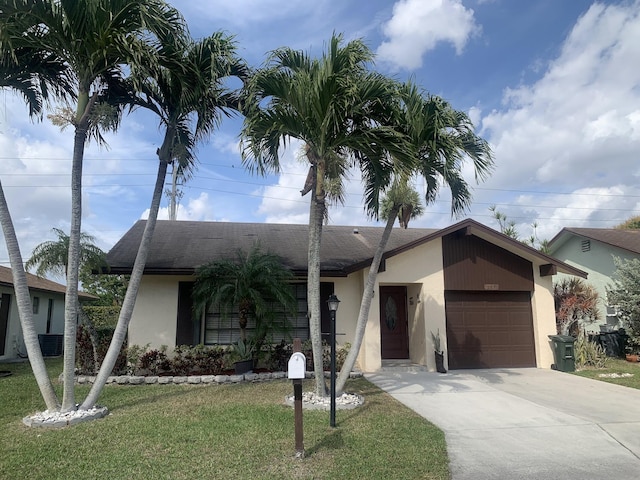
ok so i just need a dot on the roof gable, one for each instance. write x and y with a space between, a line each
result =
628 240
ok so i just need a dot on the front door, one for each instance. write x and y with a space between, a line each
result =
393 322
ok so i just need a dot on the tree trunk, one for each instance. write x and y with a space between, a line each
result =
25 309
71 295
132 290
365 304
316 217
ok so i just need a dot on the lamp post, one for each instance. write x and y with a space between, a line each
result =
333 302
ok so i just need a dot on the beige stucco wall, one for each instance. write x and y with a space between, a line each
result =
155 313
420 269
544 319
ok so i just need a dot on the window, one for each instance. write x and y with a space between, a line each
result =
36 305
224 330
49 315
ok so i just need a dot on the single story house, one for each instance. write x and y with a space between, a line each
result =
592 250
488 296
47 299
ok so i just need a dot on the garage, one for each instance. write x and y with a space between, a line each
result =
489 329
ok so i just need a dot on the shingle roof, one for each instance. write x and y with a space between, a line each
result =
625 239
37 283
180 247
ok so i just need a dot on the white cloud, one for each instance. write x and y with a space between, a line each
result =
578 126
417 26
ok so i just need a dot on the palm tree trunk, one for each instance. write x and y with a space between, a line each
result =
365 304
132 290
71 296
25 311
316 217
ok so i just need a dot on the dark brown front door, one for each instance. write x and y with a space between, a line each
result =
489 329
393 322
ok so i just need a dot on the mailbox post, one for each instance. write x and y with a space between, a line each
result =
296 372
333 302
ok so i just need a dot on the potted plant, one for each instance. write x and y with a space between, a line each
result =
244 353
632 347
439 354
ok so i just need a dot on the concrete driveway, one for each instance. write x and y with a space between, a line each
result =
526 423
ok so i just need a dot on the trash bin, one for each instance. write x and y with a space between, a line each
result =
563 353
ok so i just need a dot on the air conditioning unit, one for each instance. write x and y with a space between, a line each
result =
51 344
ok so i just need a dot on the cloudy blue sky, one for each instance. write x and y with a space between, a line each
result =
554 86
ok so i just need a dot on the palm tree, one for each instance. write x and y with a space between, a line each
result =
35 75
52 257
94 40
188 92
253 283
334 105
442 139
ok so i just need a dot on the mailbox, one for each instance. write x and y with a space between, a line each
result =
297 366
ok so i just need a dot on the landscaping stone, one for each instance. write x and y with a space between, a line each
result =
221 378
208 378
250 377
179 380
311 401
136 380
48 419
236 378
152 379
165 380
82 380
194 379
122 380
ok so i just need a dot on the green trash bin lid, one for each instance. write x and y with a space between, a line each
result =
562 338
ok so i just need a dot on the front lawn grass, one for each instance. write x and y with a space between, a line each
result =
615 365
208 431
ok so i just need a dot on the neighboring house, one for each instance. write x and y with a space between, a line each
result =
47 299
489 296
592 250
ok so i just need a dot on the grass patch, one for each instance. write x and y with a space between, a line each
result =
615 365
226 431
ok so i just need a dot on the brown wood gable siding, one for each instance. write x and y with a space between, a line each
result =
471 263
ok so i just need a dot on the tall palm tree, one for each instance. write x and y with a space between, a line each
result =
94 40
187 90
36 75
251 283
53 257
334 104
442 139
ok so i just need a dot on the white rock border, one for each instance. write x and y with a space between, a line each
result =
49 419
311 401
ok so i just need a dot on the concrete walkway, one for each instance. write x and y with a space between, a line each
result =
526 423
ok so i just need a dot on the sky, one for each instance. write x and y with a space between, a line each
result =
552 85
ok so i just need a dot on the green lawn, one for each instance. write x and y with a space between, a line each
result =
228 431
615 365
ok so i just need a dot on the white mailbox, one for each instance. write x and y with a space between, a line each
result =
297 366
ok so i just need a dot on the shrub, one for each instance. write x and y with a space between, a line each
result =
588 353
84 351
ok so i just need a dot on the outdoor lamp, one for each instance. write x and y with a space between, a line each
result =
333 303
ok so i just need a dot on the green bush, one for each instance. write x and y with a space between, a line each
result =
102 316
84 351
588 353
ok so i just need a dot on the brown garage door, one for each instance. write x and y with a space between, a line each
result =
489 329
